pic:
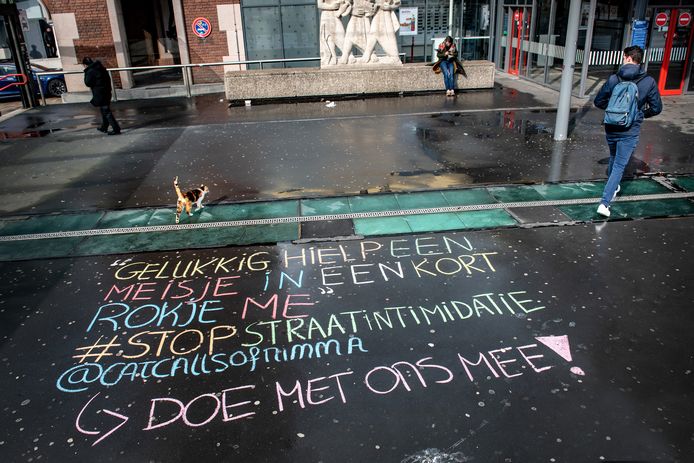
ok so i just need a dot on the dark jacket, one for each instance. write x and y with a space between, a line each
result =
649 98
96 77
441 55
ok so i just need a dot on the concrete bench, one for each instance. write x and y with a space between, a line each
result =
312 82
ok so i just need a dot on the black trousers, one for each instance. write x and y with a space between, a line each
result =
108 119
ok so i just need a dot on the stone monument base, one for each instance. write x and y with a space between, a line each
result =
349 80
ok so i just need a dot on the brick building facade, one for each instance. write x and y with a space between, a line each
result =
108 30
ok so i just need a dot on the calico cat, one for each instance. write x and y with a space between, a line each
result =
187 199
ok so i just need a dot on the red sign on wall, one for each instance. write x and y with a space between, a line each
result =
684 19
661 19
202 27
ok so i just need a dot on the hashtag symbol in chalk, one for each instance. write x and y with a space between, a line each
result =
103 352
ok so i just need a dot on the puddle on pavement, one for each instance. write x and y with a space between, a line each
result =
26 134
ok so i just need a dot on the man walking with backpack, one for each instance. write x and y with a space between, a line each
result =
627 98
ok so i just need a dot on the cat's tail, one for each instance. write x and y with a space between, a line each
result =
178 190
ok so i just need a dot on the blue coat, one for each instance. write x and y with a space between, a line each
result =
649 98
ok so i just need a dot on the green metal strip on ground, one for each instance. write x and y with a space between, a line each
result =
686 183
318 207
357 215
142 230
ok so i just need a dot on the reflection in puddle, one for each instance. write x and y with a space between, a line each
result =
26 134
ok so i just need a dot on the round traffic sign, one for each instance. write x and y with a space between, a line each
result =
684 19
516 15
661 19
202 27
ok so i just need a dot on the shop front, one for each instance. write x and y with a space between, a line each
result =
531 35
670 49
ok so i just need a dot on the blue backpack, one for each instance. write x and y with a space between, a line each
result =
623 106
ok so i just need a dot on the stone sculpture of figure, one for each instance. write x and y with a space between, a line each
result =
357 28
332 32
384 25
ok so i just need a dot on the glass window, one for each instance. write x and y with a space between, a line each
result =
471 29
475 34
40 39
275 29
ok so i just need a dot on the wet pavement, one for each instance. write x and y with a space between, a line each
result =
461 346
305 150
409 280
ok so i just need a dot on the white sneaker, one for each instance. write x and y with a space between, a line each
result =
603 210
615 192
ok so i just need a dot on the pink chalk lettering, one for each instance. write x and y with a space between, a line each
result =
273 302
221 284
393 372
282 393
500 363
151 420
95 433
530 357
421 364
400 376
298 391
559 344
480 359
225 415
288 304
310 390
212 415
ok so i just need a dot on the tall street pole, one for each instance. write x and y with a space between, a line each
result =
567 76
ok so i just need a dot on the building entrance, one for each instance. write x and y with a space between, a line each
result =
152 40
670 51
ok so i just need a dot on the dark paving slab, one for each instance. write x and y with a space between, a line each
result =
458 346
327 229
538 215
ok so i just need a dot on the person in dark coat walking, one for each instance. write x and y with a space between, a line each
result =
622 141
97 79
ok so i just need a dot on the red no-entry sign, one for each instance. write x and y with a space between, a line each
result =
661 19
684 19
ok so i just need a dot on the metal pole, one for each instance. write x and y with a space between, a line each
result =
499 58
492 30
17 44
550 33
186 81
426 42
640 9
556 162
450 17
114 97
461 31
43 97
562 124
531 37
587 46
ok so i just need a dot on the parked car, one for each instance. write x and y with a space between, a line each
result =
52 84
